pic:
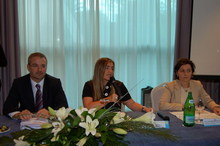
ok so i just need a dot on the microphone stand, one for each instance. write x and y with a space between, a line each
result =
118 91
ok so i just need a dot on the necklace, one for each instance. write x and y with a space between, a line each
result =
186 89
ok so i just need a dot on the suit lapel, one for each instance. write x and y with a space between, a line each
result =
177 90
193 89
29 92
45 91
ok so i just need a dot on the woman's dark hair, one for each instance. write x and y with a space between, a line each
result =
183 61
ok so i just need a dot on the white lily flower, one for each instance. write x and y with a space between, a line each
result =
20 142
90 125
92 111
147 118
118 118
63 112
79 111
82 141
58 126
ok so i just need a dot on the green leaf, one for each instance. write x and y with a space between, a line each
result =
99 113
102 128
76 121
73 112
78 133
69 122
38 135
51 111
102 112
18 134
92 141
85 113
105 119
103 137
147 129
5 140
114 139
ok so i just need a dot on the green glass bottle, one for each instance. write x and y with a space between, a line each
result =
189 111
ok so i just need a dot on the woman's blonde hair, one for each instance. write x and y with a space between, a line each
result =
98 81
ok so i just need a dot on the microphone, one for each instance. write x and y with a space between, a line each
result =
162 116
117 89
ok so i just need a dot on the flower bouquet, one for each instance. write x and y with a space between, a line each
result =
88 127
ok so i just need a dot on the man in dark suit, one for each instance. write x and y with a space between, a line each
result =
26 100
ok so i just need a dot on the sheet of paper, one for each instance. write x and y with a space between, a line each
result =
211 122
33 123
203 115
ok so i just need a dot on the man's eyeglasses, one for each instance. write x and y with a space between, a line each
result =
38 66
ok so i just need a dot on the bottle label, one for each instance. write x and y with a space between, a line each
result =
191 101
189 119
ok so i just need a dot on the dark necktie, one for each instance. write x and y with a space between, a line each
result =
39 100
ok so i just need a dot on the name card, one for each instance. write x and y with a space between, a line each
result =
162 124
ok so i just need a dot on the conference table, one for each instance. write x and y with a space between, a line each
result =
197 135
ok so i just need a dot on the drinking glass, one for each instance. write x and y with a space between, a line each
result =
199 107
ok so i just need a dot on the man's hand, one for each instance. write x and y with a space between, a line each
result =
23 115
43 113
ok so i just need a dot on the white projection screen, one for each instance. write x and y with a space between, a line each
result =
205 37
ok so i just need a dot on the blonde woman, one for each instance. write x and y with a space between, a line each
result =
100 92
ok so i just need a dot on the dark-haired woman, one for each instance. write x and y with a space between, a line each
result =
175 92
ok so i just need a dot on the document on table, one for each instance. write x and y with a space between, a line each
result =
211 122
208 118
34 123
203 115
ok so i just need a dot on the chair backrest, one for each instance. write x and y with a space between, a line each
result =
156 94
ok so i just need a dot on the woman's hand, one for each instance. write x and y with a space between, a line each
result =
113 98
134 106
216 110
146 109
